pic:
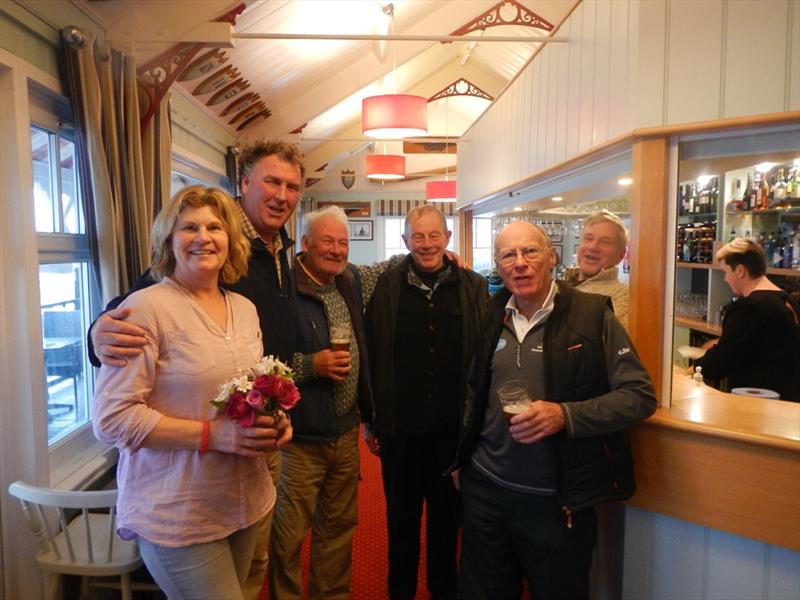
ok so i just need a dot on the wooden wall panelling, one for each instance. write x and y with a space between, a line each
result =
465 236
648 241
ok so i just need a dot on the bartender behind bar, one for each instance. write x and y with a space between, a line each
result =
760 330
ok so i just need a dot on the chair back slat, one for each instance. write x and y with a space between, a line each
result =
88 533
62 519
112 519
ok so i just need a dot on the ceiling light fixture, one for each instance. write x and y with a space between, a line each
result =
386 167
443 191
394 116
556 198
625 181
440 191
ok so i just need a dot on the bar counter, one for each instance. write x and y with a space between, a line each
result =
722 461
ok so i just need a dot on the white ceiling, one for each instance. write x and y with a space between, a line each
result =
321 83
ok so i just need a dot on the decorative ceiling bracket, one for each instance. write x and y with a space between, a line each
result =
505 12
299 130
157 75
461 87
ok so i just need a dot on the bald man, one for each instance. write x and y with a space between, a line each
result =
529 485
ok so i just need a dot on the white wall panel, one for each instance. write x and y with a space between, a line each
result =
602 71
572 29
638 555
755 57
782 580
666 558
618 74
588 74
694 61
650 104
553 99
736 567
678 559
793 77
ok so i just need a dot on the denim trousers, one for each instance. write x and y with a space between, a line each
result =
210 571
318 491
251 589
508 535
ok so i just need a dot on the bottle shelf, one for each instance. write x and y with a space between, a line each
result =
698 324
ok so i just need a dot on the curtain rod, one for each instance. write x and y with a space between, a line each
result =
396 38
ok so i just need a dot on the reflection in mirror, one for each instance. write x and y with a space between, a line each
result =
739 188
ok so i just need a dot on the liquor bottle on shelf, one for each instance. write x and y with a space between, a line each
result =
737 196
703 200
779 189
714 194
691 201
748 197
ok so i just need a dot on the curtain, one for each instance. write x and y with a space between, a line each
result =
400 208
124 173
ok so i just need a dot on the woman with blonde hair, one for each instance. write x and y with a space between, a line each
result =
193 484
761 329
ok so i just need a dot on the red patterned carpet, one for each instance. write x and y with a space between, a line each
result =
370 566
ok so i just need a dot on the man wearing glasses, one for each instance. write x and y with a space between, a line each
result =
530 482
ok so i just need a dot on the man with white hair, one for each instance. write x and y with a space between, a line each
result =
529 484
319 472
602 247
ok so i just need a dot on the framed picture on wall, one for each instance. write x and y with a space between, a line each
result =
554 231
559 250
360 230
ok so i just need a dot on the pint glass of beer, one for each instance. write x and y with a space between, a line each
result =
340 337
513 396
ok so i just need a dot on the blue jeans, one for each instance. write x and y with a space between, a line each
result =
211 571
508 535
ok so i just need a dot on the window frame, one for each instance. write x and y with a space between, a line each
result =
76 457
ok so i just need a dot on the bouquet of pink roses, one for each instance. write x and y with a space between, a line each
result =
267 389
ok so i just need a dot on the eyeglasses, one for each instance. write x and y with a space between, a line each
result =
508 257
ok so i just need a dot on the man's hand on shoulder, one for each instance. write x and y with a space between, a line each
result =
456 258
115 340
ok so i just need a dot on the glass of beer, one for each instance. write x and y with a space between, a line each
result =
340 338
514 398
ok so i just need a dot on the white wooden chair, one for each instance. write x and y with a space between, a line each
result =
88 545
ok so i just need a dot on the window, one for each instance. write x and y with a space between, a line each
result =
64 280
482 245
393 231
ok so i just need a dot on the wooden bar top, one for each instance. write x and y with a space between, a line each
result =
704 409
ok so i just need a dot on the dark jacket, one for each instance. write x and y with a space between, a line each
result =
314 418
593 456
760 340
381 320
274 301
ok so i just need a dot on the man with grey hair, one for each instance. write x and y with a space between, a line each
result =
421 332
603 243
319 472
530 482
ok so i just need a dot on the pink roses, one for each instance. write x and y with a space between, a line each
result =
267 390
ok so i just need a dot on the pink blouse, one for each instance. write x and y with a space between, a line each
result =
178 497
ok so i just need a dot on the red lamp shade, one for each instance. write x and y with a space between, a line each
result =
386 166
394 115
440 191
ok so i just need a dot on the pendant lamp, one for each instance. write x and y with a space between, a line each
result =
440 191
386 167
394 116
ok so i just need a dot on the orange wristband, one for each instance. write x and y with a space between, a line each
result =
205 437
